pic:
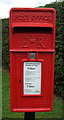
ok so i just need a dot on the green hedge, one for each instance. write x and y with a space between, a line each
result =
59 45
5 43
59 7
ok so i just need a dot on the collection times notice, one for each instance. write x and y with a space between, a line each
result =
32 78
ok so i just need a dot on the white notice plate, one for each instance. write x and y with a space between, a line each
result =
32 78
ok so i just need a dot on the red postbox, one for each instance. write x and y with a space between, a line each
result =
32 49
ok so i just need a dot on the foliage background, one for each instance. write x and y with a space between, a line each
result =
59 81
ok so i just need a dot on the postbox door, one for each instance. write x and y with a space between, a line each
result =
30 101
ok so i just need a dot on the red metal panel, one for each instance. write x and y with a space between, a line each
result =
32 30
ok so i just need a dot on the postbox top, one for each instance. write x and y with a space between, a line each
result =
35 27
34 16
33 9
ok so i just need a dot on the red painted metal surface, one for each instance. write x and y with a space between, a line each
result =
32 30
